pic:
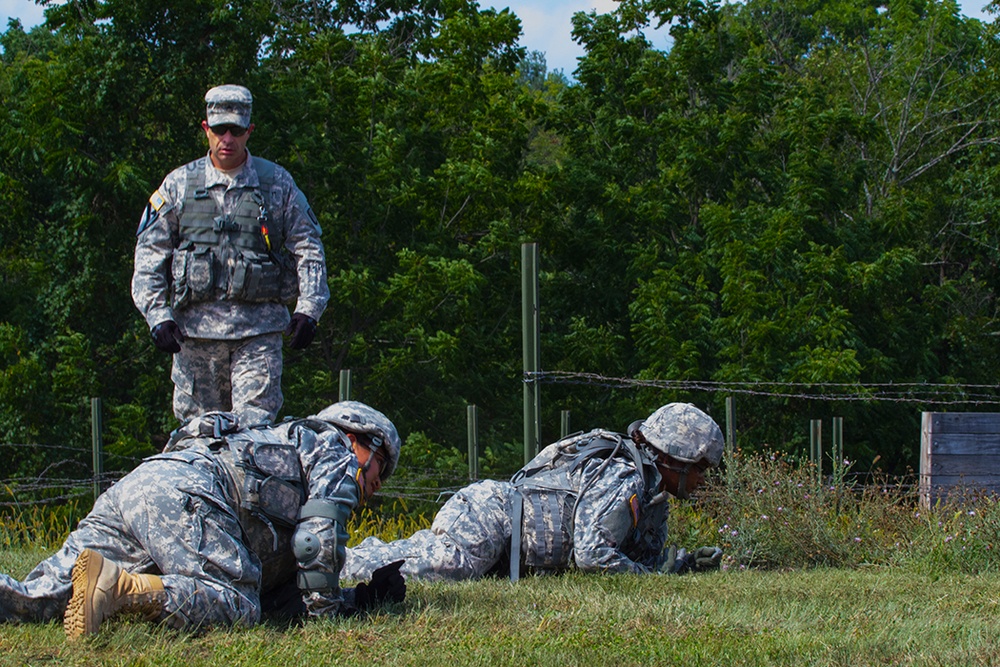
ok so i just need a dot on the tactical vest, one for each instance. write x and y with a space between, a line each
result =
265 479
238 257
548 489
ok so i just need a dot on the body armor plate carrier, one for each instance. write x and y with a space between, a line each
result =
546 493
237 257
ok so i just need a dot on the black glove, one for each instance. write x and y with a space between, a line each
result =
702 559
386 584
677 561
301 329
283 603
167 336
705 559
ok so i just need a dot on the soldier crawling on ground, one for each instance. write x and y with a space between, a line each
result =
194 535
595 501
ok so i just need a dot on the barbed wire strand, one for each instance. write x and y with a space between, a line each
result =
909 392
924 393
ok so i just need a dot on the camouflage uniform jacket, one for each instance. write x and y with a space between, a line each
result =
329 473
159 236
620 525
617 527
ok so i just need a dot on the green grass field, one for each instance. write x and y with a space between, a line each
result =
870 616
813 575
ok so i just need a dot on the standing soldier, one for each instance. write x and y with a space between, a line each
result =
594 501
223 245
194 535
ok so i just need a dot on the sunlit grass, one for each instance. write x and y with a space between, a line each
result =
814 574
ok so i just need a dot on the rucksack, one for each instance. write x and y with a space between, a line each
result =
547 490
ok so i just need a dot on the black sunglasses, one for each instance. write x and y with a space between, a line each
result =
235 130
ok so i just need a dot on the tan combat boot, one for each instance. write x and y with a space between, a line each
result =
102 589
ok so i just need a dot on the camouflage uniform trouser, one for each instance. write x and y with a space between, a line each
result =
166 517
469 536
240 376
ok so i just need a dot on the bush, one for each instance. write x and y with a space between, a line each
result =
766 512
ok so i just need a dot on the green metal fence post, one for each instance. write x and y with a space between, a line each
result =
730 425
345 385
473 426
530 343
96 431
838 450
816 446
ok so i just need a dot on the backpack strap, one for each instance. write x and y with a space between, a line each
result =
606 445
517 512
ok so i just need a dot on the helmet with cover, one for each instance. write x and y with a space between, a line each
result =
357 417
682 432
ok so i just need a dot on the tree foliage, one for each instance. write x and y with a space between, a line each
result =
795 192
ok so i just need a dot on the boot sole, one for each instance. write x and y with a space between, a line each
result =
77 621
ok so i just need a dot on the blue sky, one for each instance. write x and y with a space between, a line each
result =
546 23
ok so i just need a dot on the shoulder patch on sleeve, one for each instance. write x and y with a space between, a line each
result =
152 211
633 504
314 219
157 200
148 217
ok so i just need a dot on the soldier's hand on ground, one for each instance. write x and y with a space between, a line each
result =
284 602
388 583
167 336
706 558
678 561
301 330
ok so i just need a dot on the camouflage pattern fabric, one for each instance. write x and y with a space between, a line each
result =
469 535
158 237
175 516
242 376
616 530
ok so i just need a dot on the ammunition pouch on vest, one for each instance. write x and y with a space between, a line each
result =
238 257
272 479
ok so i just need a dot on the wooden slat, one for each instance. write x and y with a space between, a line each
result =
963 444
951 483
956 466
962 422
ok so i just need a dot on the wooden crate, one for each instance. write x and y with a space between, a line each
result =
958 450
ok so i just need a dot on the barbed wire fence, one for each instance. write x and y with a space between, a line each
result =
929 394
69 478
924 396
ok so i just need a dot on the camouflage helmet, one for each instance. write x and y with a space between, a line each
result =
683 432
357 417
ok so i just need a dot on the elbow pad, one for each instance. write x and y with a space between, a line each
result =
319 547
319 543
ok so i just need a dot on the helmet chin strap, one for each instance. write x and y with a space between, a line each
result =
682 478
682 491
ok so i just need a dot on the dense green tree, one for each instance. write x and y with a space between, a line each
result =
796 198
